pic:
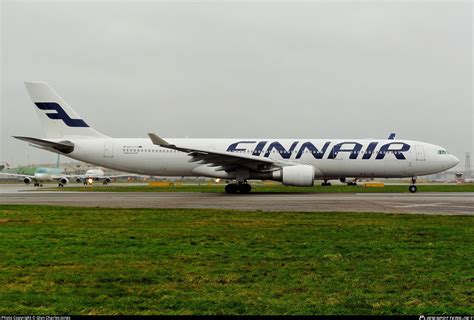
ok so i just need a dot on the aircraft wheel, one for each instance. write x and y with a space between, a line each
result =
412 188
60 185
245 188
326 184
40 185
231 188
104 183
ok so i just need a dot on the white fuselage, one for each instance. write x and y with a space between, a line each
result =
94 173
47 174
355 158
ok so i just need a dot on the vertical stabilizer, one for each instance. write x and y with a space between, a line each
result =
59 120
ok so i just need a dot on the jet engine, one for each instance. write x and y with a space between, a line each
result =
300 175
107 180
64 180
78 180
27 180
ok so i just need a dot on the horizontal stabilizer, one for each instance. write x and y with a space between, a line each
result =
63 146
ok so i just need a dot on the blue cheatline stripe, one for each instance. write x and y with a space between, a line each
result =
60 114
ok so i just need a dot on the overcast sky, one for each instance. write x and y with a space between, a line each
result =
239 69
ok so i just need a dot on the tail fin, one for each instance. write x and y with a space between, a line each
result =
59 120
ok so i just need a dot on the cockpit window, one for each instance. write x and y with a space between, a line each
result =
442 152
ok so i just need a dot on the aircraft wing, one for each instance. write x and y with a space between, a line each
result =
119 176
222 160
16 175
100 178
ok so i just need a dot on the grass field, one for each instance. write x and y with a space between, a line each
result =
274 188
149 261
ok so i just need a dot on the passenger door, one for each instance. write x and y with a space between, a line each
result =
108 150
420 152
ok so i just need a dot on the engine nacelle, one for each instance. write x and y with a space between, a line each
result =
64 180
78 180
300 176
107 180
27 180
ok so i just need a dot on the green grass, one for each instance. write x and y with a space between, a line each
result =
160 261
277 188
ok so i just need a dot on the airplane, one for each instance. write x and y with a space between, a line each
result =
294 162
41 175
97 174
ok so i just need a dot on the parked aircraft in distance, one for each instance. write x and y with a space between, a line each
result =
294 162
97 174
41 175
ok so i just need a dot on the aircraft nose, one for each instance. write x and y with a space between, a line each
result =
453 161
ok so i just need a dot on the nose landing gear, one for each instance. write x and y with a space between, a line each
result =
412 188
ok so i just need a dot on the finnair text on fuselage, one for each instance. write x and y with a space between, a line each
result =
298 148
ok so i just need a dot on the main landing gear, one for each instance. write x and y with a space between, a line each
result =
238 187
412 187
326 184
60 185
38 184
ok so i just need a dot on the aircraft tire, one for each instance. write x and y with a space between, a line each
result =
231 188
245 188
412 188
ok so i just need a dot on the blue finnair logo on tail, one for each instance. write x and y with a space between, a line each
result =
60 114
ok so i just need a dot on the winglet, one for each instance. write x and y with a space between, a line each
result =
391 136
157 140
